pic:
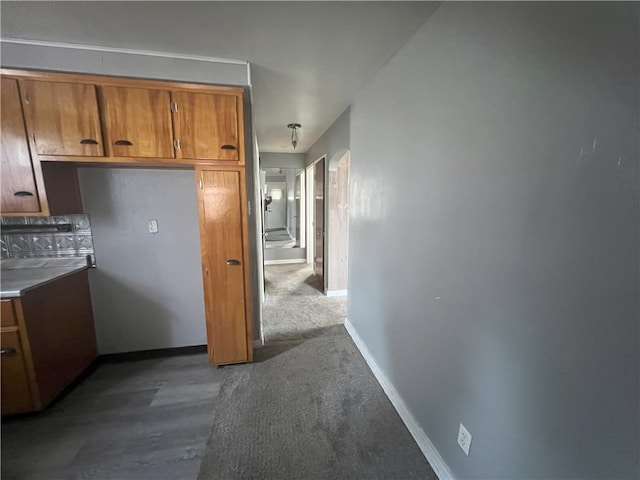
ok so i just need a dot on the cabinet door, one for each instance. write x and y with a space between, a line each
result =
138 122
221 228
208 125
63 118
19 192
16 394
7 315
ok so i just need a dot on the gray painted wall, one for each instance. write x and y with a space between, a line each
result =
100 61
333 143
147 290
282 160
494 235
252 170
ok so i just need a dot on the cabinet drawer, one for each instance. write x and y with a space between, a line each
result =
7 314
16 394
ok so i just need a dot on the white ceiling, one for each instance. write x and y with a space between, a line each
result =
308 59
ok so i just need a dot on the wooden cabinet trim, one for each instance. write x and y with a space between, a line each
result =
101 80
139 162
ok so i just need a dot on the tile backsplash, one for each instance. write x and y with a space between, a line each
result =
76 243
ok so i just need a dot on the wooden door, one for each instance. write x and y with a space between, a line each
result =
208 125
221 227
16 393
63 118
138 122
19 190
318 220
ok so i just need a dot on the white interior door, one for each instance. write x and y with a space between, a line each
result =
276 214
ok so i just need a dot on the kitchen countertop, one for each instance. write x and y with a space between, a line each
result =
20 275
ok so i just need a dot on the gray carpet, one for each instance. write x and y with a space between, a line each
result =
308 410
295 306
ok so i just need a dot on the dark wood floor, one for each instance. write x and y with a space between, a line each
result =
147 419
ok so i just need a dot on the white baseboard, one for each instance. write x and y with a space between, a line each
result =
428 450
286 260
336 293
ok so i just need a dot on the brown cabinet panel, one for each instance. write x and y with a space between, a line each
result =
51 341
138 122
7 314
223 262
63 118
16 393
19 190
61 335
208 126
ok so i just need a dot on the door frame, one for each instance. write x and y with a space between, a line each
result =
311 214
309 207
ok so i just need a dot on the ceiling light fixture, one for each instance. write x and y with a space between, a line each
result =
294 133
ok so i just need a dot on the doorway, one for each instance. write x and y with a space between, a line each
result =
283 200
297 302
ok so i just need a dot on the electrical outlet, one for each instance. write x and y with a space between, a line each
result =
464 439
153 226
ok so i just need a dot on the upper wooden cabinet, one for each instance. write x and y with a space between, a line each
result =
63 118
87 118
138 122
20 193
207 125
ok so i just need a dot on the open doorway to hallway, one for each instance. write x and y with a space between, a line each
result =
294 249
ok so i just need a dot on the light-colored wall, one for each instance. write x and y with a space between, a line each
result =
494 235
333 143
101 61
147 290
281 160
255 216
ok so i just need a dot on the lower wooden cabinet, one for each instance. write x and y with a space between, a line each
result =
47 339
225 261
16 388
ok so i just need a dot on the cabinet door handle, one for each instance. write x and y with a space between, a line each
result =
88 141
23 193
123 142
233 262
228 147
7 351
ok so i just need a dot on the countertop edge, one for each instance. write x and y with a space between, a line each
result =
11 294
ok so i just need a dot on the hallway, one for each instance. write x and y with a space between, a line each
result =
295 306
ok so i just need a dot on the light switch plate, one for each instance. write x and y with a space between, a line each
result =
153 226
